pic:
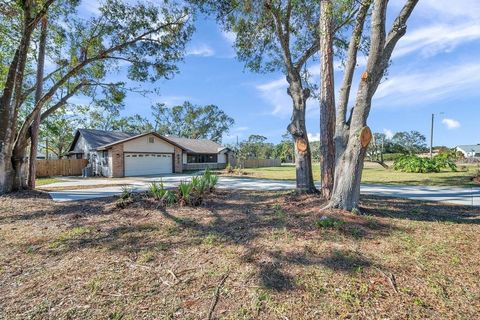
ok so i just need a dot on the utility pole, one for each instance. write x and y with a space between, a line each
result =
431 136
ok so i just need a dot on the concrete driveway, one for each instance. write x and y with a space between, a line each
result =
110 187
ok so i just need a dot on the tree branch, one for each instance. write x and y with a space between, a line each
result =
100 56
30 90
62 101
377 40
351 63
315 47
284 42
399 28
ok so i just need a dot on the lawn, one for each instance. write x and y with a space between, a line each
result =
374 173
242 255
44 181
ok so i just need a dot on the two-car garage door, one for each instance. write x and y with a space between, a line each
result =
139 164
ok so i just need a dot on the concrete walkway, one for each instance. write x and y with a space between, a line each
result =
454 195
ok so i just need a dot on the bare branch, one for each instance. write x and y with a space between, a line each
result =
351 63
399 28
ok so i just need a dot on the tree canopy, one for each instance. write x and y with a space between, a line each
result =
191 121
146 39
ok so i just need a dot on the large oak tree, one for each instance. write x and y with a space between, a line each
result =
148 38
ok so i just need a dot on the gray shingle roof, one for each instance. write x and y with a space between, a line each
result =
96 138
470 147
196 145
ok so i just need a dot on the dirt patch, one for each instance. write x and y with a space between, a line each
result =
250 255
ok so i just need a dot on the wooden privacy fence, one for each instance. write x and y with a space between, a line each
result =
60 167
257 163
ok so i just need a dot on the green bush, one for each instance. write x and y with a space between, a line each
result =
188 193
157 190
416 164
169 198
211 182
127 193
199 185
185 192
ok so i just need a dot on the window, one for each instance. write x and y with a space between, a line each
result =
201 158
151 140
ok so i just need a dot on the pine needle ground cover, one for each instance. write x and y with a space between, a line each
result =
239 255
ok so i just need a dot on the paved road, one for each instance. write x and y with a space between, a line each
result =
462 196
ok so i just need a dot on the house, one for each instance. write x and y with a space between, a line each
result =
120 154
470 151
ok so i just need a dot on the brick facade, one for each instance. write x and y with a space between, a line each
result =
117 161
178 160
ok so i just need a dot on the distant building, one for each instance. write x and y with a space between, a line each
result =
470 151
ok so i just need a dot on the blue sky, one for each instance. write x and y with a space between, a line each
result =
436 69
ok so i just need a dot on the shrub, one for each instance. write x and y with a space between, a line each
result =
169 197
185 191
157 190
199 185
126 197
414 163
188 193
211 182
127 193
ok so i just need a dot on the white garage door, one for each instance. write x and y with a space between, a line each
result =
139 164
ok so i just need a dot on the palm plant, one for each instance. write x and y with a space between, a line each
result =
157 190
185 190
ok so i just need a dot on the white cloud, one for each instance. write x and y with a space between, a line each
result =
313 136
202 50
388 133
429 85
434 39
451 123
275 93
450 10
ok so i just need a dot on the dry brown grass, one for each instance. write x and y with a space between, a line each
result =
91 260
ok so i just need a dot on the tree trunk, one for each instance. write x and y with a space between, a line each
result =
34 130
303 157
352 135
327 101
9 103
348 174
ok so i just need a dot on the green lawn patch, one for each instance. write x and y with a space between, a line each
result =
375 174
